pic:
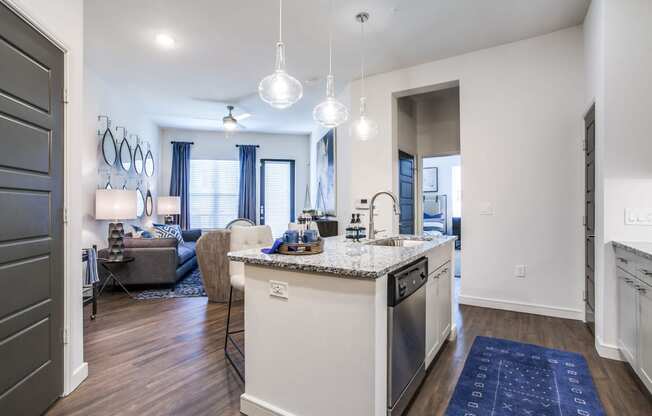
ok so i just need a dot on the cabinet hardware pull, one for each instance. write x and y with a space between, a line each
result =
628 280
622 260
646 272
641 290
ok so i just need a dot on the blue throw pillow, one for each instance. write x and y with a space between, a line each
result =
143 232
169 231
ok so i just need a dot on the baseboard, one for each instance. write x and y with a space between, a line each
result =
77 377
532 308
252 406
609 351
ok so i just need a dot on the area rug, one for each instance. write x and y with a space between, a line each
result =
189 286
502 378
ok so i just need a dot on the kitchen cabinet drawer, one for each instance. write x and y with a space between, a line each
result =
635 265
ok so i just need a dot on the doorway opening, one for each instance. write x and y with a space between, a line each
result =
429 174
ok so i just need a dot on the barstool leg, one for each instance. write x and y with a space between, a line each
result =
228 320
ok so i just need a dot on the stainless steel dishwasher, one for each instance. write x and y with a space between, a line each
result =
406 333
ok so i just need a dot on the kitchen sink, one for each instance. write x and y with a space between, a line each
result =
397 242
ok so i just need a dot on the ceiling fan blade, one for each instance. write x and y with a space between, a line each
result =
242 116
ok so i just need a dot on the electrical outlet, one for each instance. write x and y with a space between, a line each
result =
278 289
520 271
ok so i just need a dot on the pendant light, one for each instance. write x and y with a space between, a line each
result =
330 112
364 128
280 90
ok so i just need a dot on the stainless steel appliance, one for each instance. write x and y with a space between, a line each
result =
406 321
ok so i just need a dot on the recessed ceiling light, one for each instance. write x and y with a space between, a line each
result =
165 41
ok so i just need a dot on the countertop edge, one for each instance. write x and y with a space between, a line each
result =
336 271
628 247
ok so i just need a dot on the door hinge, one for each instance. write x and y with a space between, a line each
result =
65 337
64 215
584 220
65 96
584 295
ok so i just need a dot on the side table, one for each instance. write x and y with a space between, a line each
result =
106 265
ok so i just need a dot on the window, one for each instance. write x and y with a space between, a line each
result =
214 190
277 194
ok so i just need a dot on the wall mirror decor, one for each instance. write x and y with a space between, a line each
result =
149 203
149 162
140 202
125 150
109 149
139 159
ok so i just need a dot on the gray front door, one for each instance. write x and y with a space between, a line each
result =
406 192
31 202
589 219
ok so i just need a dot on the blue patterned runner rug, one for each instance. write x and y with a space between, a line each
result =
507 378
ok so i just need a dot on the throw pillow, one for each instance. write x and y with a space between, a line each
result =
141 232
169 231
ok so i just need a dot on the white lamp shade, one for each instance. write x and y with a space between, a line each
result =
168 205
115 204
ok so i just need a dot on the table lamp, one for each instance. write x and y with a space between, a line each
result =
115 205
168 206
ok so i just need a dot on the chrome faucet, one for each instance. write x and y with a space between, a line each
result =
397 211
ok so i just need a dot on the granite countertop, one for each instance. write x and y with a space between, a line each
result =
640 249
347 259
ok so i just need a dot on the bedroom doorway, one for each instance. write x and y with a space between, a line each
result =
442 200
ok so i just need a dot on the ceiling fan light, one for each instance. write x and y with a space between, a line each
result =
230 124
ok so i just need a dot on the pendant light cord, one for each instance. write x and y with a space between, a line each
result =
280 21
362 57
330 37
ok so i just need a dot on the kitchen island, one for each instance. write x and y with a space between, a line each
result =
316 326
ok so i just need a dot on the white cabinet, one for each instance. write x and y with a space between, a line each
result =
438 309
635 313
645 334
627 317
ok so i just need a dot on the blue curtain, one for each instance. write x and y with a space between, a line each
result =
247 201
180 179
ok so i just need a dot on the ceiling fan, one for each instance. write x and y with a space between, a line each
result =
230 122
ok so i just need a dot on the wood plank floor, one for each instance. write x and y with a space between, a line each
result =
164 357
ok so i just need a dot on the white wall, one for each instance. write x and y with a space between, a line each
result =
101 97
438 122
521 133
216 145
617 71
444 165
63 21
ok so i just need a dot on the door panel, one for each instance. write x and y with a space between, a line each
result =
406 192
645 334
589 219
31 203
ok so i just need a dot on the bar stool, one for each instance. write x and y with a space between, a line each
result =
242 238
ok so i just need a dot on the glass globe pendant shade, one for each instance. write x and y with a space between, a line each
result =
330 112
280 90
364 128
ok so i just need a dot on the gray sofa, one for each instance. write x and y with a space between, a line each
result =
158 261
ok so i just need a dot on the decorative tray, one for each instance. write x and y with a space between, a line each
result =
302 249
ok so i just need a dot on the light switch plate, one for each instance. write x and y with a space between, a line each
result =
278 289
486 208
520 271
638 216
